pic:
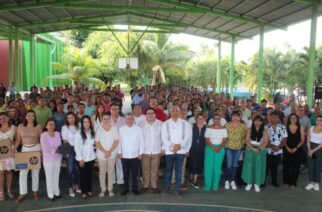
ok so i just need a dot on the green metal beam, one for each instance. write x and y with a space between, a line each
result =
138 40
25 6
310 76
220 13
218 78
189 25
260 64
132 23
232 67
125 8
57 29
125 30
67 20
120 43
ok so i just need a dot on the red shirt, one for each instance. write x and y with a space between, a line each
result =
160 115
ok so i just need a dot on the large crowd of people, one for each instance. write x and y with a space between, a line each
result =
194 133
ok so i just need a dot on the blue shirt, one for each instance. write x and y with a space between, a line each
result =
59 120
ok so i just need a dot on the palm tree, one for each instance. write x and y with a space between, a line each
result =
78 67
164 55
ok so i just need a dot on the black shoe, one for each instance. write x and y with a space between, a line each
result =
124 192
51 199
275 185
136 192
178 194
57 197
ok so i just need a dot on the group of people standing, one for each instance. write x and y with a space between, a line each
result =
188 128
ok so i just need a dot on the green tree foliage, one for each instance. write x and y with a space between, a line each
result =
78 67
77 37
167 60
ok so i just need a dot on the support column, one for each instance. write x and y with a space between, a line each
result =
310 75
232 67
260 64
35 78
16 71
10 55
218 78
32 61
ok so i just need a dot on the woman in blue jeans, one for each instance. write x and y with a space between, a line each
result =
236 130
68 134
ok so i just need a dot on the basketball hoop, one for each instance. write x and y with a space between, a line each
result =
128 63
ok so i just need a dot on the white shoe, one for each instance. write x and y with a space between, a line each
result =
226 184
233 185
316 187
248 187
257 188
309 186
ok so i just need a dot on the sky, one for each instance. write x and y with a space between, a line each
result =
296 36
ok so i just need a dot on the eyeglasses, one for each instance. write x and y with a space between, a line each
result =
150 113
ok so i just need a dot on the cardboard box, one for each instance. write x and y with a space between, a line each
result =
5 149
27 160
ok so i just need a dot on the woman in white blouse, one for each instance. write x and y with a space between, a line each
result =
98 116
85 154
314 147
107 142
216 138
68 135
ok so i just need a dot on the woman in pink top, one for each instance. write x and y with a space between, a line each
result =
28 135
50 140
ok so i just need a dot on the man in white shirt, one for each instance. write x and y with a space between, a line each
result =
117 121
151 129
176 142
139 118
130 151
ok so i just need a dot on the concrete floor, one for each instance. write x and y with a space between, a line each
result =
269 199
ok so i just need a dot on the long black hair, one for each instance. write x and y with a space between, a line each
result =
257 135
35 119
75 117
91 129
297 120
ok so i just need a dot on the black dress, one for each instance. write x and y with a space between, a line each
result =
197 150
292 162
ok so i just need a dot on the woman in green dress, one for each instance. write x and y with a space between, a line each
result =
216 138
254 166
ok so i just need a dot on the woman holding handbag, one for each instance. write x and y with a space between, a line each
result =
50 141
254 166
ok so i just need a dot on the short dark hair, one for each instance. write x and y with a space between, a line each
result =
81 104
264 101
275 113
115 104
150 108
